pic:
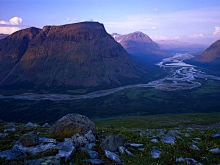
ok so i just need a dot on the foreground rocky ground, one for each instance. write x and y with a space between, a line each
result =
74 139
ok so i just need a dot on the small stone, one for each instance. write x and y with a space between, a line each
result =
174 132
155 154
217 135
168 139
136 145
10 130
29 139
180 159
194 147
121 150
111 143
214 150
90 145
90 137
47 140
79 141
93 154
191 161
112 156
29 124
154 141
128 152
67 149
46 125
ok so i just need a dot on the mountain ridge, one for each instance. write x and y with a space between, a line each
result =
81 54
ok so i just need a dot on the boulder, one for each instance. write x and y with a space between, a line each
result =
29 139
111 143
71 124
67 149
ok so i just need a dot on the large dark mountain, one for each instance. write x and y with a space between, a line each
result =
138 43
73 55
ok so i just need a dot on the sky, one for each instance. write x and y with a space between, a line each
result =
194 21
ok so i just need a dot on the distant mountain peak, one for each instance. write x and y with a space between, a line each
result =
139 43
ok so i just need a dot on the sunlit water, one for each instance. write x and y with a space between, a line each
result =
181 76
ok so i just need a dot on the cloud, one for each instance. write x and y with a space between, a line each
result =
72 19
196 36
153 28
8 30
216 31
12 21
176 37
8 27
159 37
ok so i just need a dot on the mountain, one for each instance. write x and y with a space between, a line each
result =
73 55
211 54
138 43
178 47
3 36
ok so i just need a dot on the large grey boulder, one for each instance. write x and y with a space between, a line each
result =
71 124
29 139
111 143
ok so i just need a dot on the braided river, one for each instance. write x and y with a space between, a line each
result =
181 76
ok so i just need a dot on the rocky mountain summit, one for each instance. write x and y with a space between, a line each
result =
83 143
138 43
73 55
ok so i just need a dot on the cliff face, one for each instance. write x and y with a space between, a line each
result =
80 55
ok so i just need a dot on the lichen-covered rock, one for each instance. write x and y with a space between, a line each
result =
71 124
111 143
29 139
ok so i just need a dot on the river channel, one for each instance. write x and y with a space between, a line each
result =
181 76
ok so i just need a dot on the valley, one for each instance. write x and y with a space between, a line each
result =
185 89
181 76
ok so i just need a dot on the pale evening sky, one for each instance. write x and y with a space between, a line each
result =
196 21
